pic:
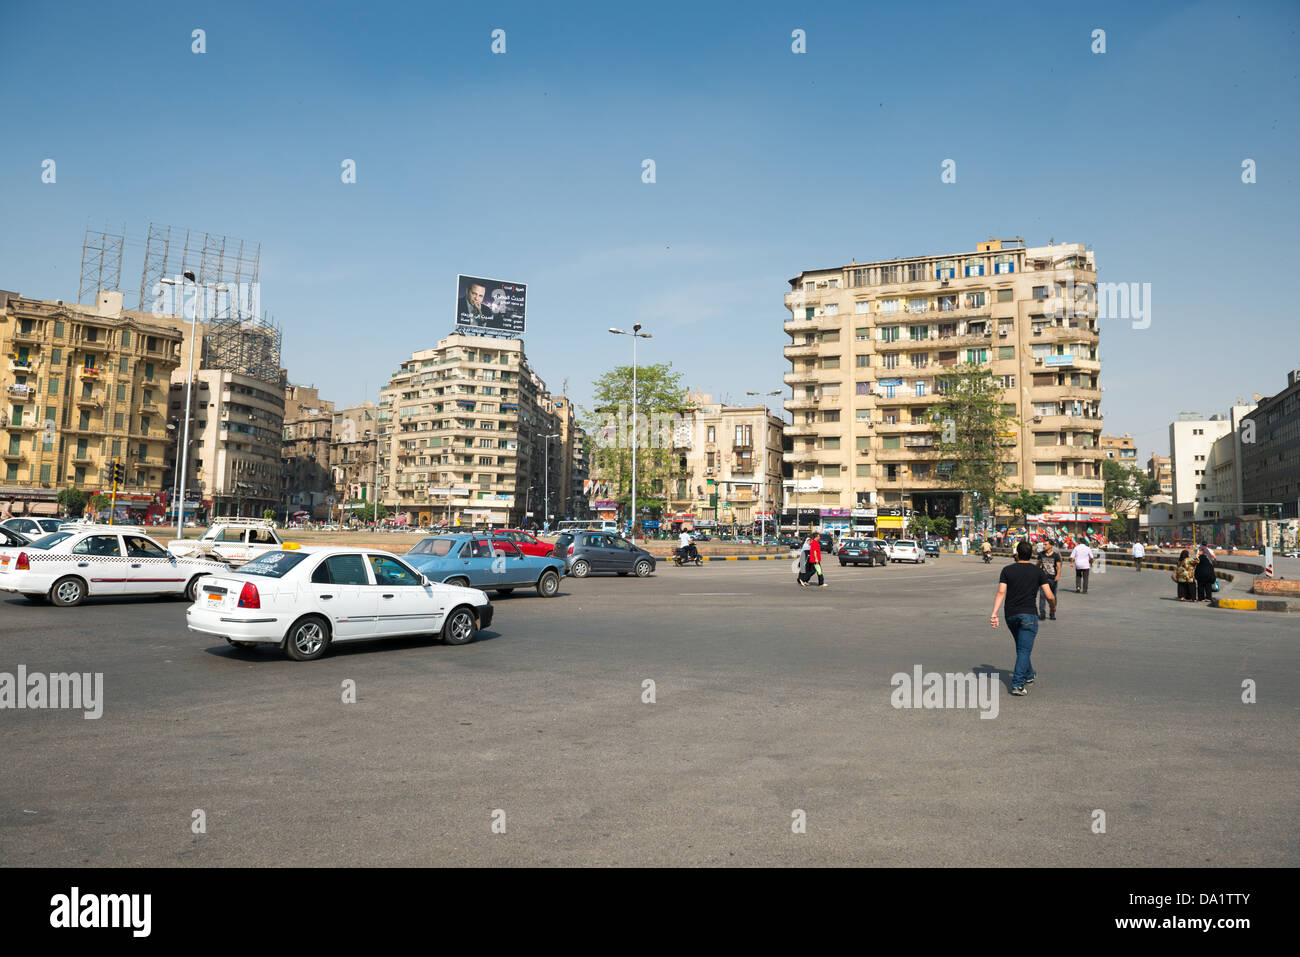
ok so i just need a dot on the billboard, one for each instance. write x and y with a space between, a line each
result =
489 305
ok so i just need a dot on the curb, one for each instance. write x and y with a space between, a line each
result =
744 558
1250 604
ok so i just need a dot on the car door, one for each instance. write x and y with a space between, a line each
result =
514 569
618 554
341 590
475 563
151 570
99 559
405 606
595 549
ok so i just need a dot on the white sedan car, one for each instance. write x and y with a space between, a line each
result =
906 550
304 600
93 561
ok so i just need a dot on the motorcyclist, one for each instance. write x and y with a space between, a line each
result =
987 550
687 548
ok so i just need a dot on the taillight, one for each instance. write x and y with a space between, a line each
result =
249 598
23 564
570 551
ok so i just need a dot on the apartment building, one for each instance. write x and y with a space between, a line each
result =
1270 465
725 451
575 463
1160 468
1205 454
461 435
83 385
307 479
354 453
1120 448
869 346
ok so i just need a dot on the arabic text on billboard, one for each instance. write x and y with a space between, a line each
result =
489 305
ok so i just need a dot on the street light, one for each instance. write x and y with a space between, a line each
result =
636 334
189 386
763 485
546 497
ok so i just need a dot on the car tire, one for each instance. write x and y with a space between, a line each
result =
460 626
548 586
642 569
580 569
308 638
192 589
458 581
843 563
68 592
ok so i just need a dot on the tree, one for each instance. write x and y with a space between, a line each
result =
972 430
661 406
942 526
919 526
72 501
268 514
1127 488
99 501
1022 503
365 511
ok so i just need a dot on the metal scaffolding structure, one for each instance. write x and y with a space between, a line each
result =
249 346
214 259
101 263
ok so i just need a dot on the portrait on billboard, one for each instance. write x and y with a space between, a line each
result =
489 304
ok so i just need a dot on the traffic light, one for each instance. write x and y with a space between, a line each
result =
119 473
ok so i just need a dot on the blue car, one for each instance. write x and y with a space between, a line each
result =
480 561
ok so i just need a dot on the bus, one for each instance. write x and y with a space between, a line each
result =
573 525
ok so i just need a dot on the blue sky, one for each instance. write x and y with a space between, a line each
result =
527 166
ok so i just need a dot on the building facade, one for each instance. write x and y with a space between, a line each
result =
84 386
307 479
354 453
1270 464
1120 448
1204 458
869 346
461 435
1160 468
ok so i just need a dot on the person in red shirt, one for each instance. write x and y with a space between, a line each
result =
814 562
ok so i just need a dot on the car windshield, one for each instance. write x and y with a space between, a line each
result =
49 541
49 524
440 547
850 543
272 564
906 544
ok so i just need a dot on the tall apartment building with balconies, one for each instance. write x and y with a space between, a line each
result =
83 385
869 346
461 435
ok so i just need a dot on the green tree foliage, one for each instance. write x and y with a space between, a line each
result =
660 404
366 511
942 526
72 501
268 514
1022 503
1127 488
919 526
969 418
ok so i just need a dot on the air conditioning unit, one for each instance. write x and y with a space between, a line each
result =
708 471
1038 360
1038 418
1002 333
934 335
988 333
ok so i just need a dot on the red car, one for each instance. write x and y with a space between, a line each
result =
525 541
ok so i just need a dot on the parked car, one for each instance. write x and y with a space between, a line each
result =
592 551
9 538
234 542
68 567
305 600
931 546
906 550
33 528
861 551
526 542
827 541
493 564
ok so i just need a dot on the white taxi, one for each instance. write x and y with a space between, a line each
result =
305 599
93 561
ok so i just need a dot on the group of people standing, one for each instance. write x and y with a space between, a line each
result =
810 562
1195 574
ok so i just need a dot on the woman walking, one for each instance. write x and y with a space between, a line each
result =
814 562
802 564
1185 576
1204 574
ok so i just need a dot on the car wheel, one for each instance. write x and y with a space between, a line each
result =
458 582
842 563
642 569
307 639
68 592
192 589
548 586
504 592
580 569
460 627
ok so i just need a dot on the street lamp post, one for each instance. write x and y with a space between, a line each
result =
763 485
636 334
546 495
189 387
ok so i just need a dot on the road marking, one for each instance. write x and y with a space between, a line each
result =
697 594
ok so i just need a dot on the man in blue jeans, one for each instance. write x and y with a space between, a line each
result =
1018 585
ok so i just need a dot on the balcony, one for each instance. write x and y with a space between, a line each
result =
22 365
803 349
915 454
30 336
82 458
27 425
895 428
1065 333
19 394
87 402
815 323
89 372
13 455
1068 393
799 376
1055 453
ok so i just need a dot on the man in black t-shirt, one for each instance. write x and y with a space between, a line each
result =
1049 560
1017 586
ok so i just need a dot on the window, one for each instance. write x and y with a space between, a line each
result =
861 306
890 274
891 442
1008 381
975 300
1040 292
102 545
1006 352
143 548
1005 295
1044 468
58 329
917 305
126 338
119 421
54 385
831 309
830 471
831 336
1003 265
917 333
973 267
889 306
920 360
889 360
831 415
862 332
121 366
712 435
45 473
341 570
863 388
919 388
863 362
831 362
56 357
977 355
864 471
863 442
121 392
831 443
917 272
946 269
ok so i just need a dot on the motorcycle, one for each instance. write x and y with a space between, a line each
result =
988 557
679 558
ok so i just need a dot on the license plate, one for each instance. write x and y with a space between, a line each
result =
216 598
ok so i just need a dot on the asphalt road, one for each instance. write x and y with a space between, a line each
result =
769 699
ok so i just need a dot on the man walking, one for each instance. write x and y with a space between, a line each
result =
1139 553
1082 558
1050 562
1017 586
